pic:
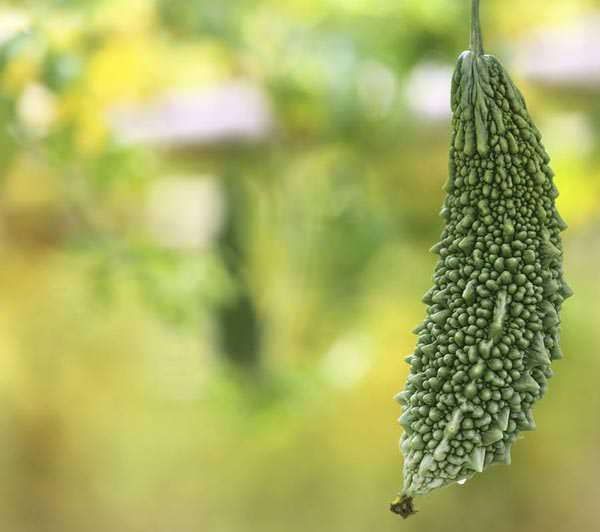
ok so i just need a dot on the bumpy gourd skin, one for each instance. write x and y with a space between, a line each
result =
492 328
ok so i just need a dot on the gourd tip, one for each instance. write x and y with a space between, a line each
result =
403 506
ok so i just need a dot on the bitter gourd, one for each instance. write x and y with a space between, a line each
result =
483 353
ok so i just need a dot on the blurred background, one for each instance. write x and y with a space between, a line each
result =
214 223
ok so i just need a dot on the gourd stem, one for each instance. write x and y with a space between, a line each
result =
476 42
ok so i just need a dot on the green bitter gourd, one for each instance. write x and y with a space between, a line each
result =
483 353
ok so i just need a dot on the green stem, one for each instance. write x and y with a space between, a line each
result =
476 45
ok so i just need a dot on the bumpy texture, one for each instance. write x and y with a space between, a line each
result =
492 328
